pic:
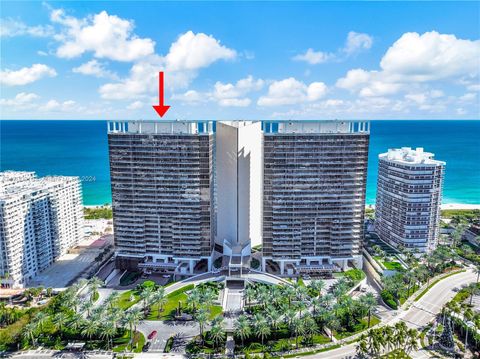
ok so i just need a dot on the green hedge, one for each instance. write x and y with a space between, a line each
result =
389 300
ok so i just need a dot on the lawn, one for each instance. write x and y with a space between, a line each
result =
393 266
173 300
358 328
124 300
120 344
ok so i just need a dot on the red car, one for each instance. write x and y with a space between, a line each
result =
152 335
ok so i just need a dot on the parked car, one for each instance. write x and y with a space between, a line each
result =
146 347
152 335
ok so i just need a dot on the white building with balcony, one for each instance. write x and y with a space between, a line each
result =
40 220
409 196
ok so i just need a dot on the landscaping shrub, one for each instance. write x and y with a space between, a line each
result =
389 300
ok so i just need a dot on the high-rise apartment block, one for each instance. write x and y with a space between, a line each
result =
409 195
162 188
190 191
40 219
314 193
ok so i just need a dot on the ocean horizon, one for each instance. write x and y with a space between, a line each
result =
79 148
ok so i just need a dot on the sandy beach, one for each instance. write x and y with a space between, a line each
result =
445 206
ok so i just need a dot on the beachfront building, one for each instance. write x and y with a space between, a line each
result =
40 220
314 194
409 195
162 187
183 192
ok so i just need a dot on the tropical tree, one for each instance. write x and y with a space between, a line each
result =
108 331
250 294
90 328
217 331
202 319
60 319
94 283
412 340
310 327
146 296
274 317
370 303
242 328
317 286
132 318
160 298
30 332
297 328
40 319
112 299
261 326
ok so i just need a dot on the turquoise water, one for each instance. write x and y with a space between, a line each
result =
80 148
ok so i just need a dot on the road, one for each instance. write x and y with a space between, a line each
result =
418 315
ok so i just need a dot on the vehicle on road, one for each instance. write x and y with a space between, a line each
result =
146 347
152 335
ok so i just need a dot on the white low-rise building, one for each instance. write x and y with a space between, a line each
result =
40 220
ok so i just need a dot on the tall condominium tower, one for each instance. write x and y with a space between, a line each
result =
409 194
40 219
314 193
162 188
239 167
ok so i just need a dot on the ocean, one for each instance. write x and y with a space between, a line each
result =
79 148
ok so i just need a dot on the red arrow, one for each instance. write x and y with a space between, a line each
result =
160 108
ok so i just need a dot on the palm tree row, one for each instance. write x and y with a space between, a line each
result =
387 339
73 316
303 310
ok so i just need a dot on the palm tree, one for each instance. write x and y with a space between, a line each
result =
242 328
362 349
160 298
132 318
310 327
40 319
146 296
90 328
217 331
333 324
262 327
108 331
30 331
87 307
250 294
297 328
112 299
412 340
317 286
370 303
193 299
94 283
60 320
202 318
274 316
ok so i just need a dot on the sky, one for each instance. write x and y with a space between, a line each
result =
240 60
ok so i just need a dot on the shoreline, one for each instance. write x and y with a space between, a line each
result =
444 206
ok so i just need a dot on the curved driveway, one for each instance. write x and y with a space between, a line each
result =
418 315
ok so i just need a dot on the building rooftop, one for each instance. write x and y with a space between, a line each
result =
207 127
409 156
18 183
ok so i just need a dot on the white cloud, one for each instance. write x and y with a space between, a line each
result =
56 106
357 42
135 105
191 96
291 91
414 60
468 97
225 94
313 57
194 51
20 100
107 36
186 57
12 28
94 68
26 75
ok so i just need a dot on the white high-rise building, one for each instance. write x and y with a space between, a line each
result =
239 177
40 219
409 195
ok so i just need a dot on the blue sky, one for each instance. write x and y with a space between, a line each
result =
315 60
